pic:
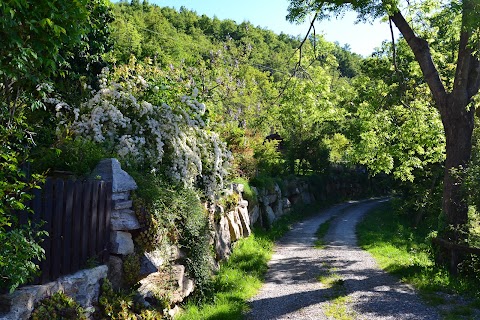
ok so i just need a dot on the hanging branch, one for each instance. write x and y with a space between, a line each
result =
395 65
298 65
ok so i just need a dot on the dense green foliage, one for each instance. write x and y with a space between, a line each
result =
188 102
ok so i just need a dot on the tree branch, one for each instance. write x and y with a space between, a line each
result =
462 71
423 55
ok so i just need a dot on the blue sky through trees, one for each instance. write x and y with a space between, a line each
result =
270 14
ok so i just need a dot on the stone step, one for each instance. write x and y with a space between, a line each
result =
122 204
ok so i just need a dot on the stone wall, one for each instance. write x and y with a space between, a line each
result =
83 286
268 205
165 267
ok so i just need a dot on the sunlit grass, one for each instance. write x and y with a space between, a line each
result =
321 233
406 252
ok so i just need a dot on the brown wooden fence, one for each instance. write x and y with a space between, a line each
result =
76 215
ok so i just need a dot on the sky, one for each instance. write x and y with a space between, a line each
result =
362 38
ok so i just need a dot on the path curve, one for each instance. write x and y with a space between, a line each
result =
291 289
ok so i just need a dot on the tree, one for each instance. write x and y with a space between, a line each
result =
453 104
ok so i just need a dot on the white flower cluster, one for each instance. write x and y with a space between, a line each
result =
173 140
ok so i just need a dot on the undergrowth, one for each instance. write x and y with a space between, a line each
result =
406 252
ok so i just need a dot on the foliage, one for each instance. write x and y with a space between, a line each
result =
19 243
77 156
129 114
174 215
121 305
248 193
131 269
18 253
58 306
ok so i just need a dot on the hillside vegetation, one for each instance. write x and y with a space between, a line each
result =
188 103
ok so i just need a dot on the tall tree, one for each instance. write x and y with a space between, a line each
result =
452 102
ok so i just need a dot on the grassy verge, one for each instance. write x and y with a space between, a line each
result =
322 232
241 276
406 253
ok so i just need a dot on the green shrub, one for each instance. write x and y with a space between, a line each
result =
248 193
58 306
20 248
172 214
131 269
77 156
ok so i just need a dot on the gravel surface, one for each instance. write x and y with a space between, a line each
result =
292 289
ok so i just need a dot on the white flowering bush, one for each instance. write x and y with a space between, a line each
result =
147 121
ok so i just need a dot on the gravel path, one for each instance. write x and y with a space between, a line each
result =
360 289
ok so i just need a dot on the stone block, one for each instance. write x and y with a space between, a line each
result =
122 204
151 262
244 220
111 170
270 215
222 239
235 231
121 243
160 284
124 219
243 203
82 286
286 204
115 272
238 188
254 215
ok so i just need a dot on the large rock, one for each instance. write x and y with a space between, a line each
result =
83 286
270 215
124 219
170 283
254 215
121 243
222 239
286 204
115 272
236 230
151 262
244 220
238 188
111 170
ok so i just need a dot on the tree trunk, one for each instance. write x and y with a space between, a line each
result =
457 121
458 125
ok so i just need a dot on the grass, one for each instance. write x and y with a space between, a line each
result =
406 252
242 275
337 306
321 233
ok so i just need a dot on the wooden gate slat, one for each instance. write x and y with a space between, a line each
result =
86 203
77 226
57 227
45 265
67 228
93 220
101 221
108 211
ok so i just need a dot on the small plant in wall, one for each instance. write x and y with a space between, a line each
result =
58 306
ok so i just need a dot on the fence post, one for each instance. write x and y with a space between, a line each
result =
123 219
